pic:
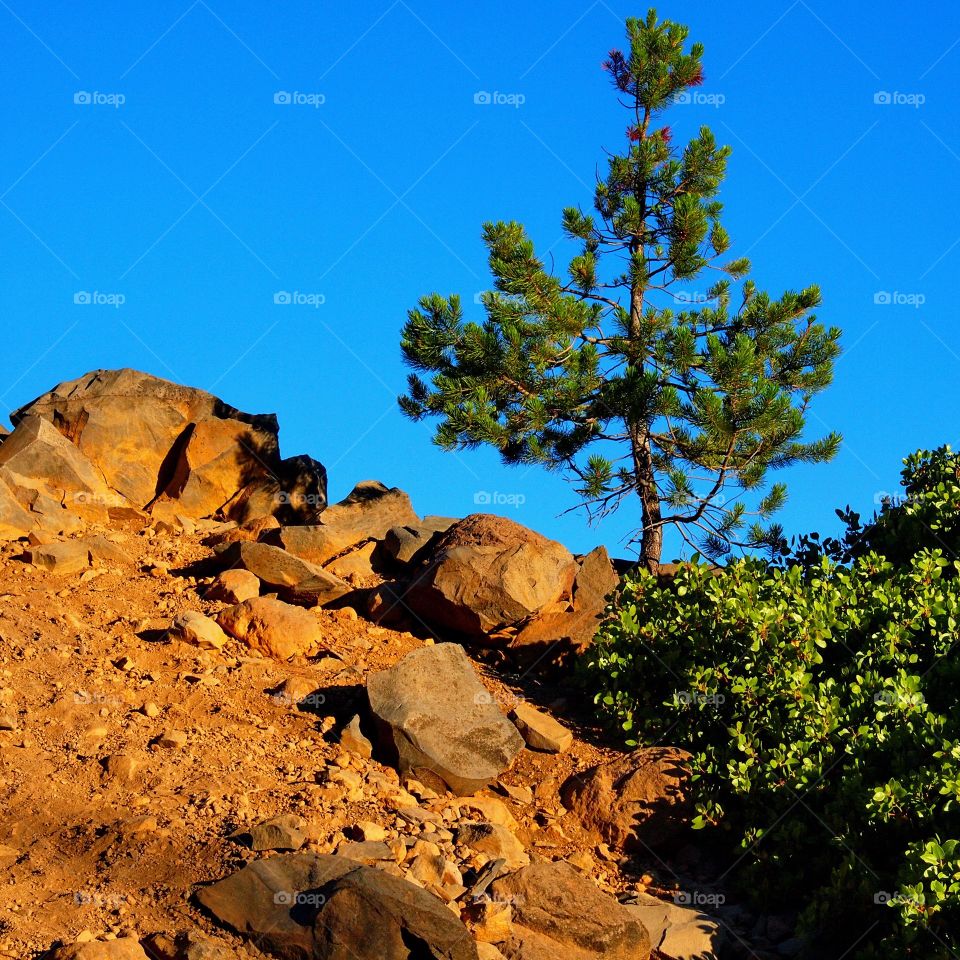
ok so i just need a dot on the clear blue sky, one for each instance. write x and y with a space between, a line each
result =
198 198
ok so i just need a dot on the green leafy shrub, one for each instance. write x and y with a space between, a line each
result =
821 704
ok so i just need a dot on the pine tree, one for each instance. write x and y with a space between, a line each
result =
617 373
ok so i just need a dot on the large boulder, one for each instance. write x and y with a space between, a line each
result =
270 627
557 912
365 515
437 722
321 907
639 800
295 579
156 442
554 635
487 572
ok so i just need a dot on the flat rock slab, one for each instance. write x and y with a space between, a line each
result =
68 557
438 723
294 578
74 556
367 513
322 907
680 932
539 730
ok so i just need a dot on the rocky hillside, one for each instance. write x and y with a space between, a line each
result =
237 722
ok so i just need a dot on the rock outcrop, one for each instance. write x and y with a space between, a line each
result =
236 706
639 800
167 448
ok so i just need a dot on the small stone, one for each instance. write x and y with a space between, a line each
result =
487 951
494 840
194 628
352 739
489 921
370 831
234 586
299 692
171 739
487 809
582 861
151 710
520 794
367 852
540 731
285 832
120 766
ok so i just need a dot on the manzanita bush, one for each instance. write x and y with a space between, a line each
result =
820 698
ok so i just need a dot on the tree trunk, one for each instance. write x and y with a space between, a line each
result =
651 540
